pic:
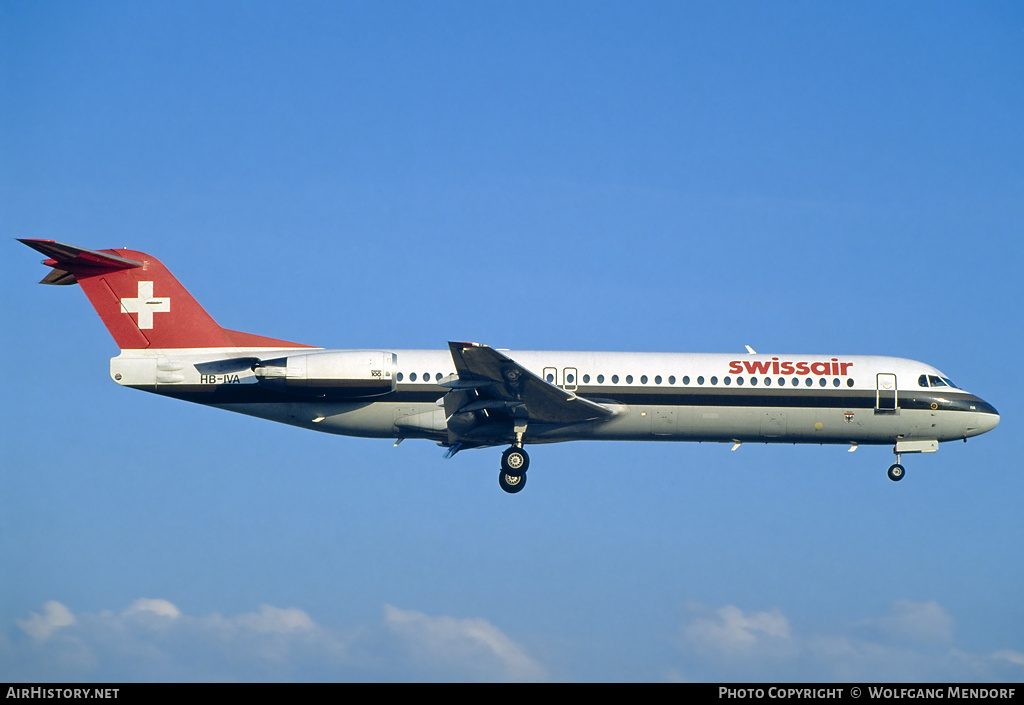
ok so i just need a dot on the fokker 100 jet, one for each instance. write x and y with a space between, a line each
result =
475 396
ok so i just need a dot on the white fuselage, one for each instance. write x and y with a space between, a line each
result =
655 396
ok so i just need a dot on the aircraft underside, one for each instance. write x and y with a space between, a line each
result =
914 430
674 423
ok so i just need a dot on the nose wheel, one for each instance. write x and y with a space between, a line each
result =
896 472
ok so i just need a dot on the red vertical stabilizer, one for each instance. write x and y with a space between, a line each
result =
140 301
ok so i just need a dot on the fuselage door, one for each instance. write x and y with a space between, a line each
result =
569 379
885 396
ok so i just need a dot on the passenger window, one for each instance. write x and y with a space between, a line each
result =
727 380
671 379
739 380
821 382
700 380
600 379
767 381
438 376
849 383
657 380
412 377
586 379
714 380
835 382
629 379
753 381
615 379
399 376
550 377
809 382
686 379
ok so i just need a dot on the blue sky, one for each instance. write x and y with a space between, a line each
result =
815 177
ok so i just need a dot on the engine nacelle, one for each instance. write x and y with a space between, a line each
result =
337 374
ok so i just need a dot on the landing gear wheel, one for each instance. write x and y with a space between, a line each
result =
896 472
511 483
515 461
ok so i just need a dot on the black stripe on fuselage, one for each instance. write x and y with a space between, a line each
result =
633 396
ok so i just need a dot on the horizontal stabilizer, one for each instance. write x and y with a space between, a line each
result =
70 262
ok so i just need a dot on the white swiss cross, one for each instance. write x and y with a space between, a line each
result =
145 305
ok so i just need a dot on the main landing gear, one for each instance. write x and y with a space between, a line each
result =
514 463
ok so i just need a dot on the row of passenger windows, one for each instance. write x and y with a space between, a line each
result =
570 379
767 381
413 377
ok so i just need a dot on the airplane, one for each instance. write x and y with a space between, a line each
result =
475 396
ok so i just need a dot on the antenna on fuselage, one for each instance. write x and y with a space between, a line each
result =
750 350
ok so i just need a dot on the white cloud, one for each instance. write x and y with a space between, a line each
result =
733 631
475 647
914 642
926 622
274 620
162 608
1014 657
42 626
152 639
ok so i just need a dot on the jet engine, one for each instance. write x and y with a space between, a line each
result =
338 374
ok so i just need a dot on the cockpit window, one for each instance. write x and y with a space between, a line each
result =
935 381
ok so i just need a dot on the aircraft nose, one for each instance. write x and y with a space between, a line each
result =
985 418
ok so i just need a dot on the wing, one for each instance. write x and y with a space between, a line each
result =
499 385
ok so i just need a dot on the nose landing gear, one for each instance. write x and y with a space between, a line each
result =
896 470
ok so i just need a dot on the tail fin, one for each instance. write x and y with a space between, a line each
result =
140 301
